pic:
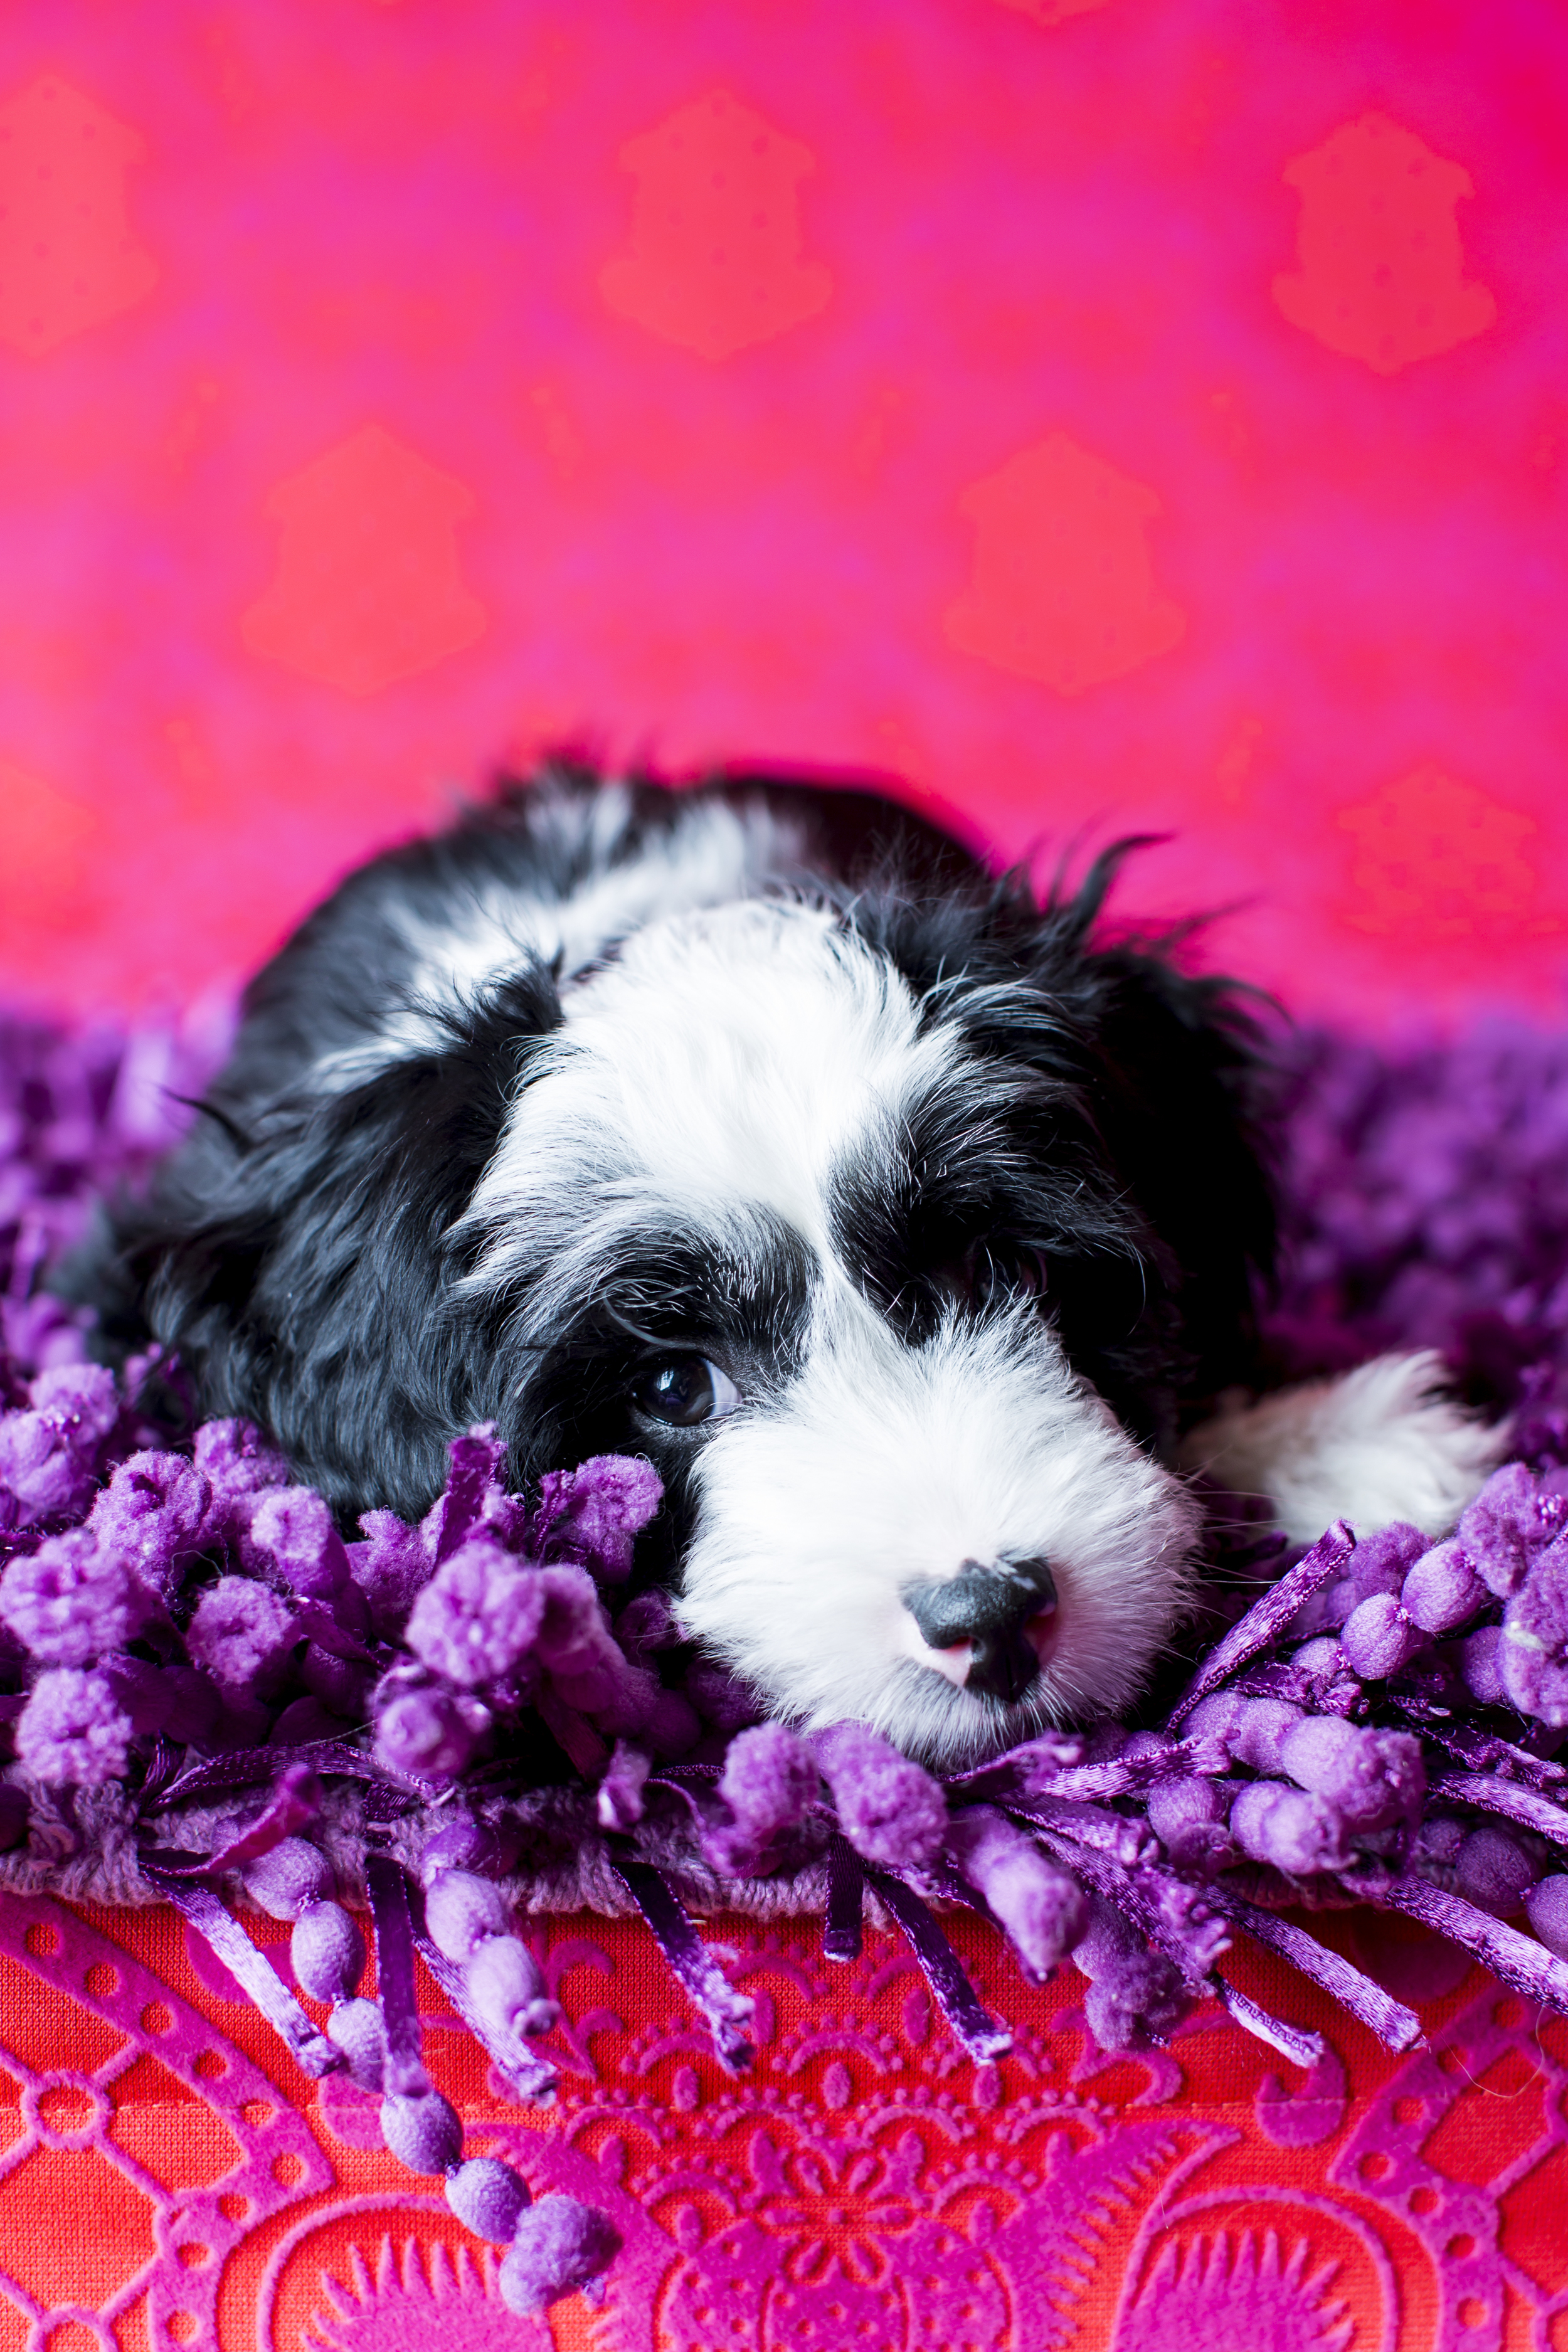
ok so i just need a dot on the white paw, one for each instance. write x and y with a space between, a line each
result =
1381 1443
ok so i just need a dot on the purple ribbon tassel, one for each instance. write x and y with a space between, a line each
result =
296 1798
200 1906
1397 2027
726 2012
388 1891
1295 2042
845 1901
531 2077
1518 1959
1267 1617
942 1971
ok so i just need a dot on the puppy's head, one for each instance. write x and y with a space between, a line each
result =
899 1234
894 1238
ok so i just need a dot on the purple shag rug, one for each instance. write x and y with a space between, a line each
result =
207 1697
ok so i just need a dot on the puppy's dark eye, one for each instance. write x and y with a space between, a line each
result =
1001 1270
993 1271
685 1392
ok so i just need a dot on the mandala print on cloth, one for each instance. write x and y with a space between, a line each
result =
868 2186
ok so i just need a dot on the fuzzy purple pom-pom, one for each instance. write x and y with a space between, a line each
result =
1133 1994
293 1873
576 1641
83 1398
1251 1729
467 1843
1190 1817
1379 1637
49 1454
478 1616
1381 1560
326 1952
238 1460
70 1603
1372 1778
154 1515
359 2031
594 1514
1442 1591
507 1990
74 1731
590 1670
1044 1911
1532 1655
1494 1870
423 2130
769 1779
431 1733
294 1528
462 1911
239 1628
1479 1659
890 1811
391 1568
1546 1908
1294 1831
488 2198
560 2244
1512 1518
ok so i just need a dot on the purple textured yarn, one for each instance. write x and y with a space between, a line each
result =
295 1531
769 1782
594 1514
74 1730
73 1601
892 1813
238 1629
478 1616
155 1516
49 1451
1532 1655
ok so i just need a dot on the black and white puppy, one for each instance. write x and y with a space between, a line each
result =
904 1223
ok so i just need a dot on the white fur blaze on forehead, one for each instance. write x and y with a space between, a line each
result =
724 1063
883 1463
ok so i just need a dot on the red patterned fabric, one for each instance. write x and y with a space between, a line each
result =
1104 414
167 2175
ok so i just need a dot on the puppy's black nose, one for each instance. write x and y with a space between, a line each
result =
988 1608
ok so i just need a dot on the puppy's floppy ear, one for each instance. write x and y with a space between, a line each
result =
299 1254
1180 1095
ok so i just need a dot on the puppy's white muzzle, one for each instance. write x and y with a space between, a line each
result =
833 1518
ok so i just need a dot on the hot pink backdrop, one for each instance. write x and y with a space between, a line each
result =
1103 413
1120 414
